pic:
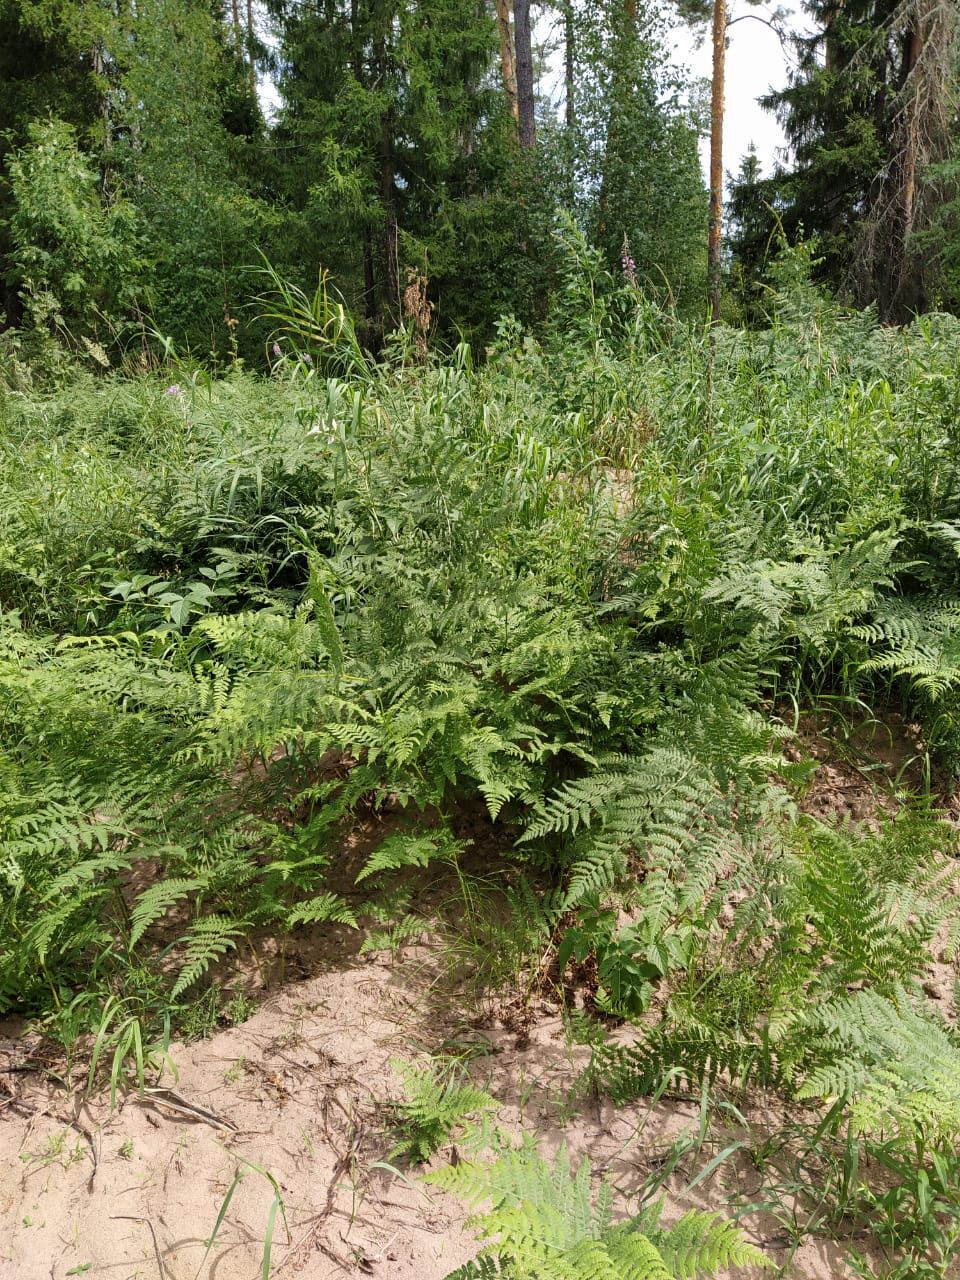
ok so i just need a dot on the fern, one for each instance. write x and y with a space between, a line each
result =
834 909
152 904
897 1066
409 850
918 641
209 939
436 1100
325 906
544 1220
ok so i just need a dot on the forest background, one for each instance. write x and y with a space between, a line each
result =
433 143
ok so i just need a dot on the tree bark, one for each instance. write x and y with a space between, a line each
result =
368 252
569 50
525 99
898 294
508 63
914 50
251 37
390 283
829 39
714 238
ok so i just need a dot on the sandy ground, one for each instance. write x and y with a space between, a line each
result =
301 1091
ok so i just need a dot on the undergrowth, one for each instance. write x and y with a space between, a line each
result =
587 584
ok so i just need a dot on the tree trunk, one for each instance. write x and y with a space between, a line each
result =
899 289
911 143
525 98
569 50
508 63
373 335
829 39
387 163
716 156
251 37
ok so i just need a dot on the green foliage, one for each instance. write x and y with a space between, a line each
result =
186 123
437 1100
900 1066
629 960
869 116
547 651
408 850
391 162
833 911
634 150
544 1221
73 259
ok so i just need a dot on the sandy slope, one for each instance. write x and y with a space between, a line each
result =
302 1087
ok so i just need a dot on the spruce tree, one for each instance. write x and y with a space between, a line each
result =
868 114
396 142
184 88
638 170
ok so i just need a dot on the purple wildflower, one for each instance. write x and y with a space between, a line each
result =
276 350
306 358
627 263
174 389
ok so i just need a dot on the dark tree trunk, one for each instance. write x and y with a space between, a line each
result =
390 283
251 40
12 313
369 257
525 98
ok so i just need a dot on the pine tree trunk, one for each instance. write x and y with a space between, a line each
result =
390 283
251 37
716 155
525 98
569 51
829 39
914 50
508 64
897 293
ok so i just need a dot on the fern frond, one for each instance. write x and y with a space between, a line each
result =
897 1066
323 907
703 1244
409 849
154 902
209 939
542 1221
435 1102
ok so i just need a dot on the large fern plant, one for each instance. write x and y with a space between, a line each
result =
544 1221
